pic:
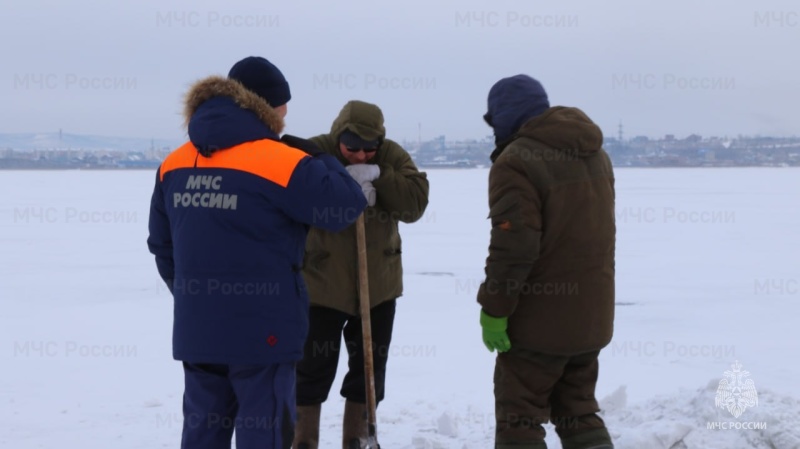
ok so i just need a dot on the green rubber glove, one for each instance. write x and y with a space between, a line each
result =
494 333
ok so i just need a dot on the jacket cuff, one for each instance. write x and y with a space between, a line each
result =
496 300
387 171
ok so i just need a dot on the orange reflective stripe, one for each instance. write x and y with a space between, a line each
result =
183 157
265 158
268 159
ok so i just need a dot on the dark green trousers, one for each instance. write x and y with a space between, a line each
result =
532 389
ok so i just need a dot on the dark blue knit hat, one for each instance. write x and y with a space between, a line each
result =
262 77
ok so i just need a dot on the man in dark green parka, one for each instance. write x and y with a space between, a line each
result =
396 192
548 298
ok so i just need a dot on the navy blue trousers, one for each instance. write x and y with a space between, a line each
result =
257 402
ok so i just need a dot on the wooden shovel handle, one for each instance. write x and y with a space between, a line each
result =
366 331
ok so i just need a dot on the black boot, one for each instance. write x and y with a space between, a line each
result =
592 439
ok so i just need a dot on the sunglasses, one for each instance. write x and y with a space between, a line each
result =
365 150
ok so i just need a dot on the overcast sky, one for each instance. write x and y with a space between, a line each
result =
121 68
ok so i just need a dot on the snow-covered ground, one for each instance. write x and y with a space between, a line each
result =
707 275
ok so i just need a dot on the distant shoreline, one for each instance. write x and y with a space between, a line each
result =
621 167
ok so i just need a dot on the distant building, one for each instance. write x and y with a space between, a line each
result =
694 138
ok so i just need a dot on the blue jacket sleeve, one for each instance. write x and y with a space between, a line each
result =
159 242
322 194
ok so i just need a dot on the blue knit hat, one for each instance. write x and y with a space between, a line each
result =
513 101
262 77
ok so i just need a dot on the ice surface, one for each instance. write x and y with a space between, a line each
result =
707 275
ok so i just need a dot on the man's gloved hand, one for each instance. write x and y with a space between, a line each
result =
302 144
364 174
494 332
369 193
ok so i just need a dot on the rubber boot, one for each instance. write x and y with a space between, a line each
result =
354 427
521 446
593 439
306 431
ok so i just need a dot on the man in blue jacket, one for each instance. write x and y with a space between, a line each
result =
228 222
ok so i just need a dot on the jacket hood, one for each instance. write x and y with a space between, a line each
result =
512 101
564 129
220 113
364 119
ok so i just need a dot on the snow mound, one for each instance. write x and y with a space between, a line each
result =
440 436
691 420
615 401
654 435
447 425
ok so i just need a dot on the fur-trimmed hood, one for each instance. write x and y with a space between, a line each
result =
220 113
217 86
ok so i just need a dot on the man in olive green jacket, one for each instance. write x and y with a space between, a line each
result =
396 192
548 298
